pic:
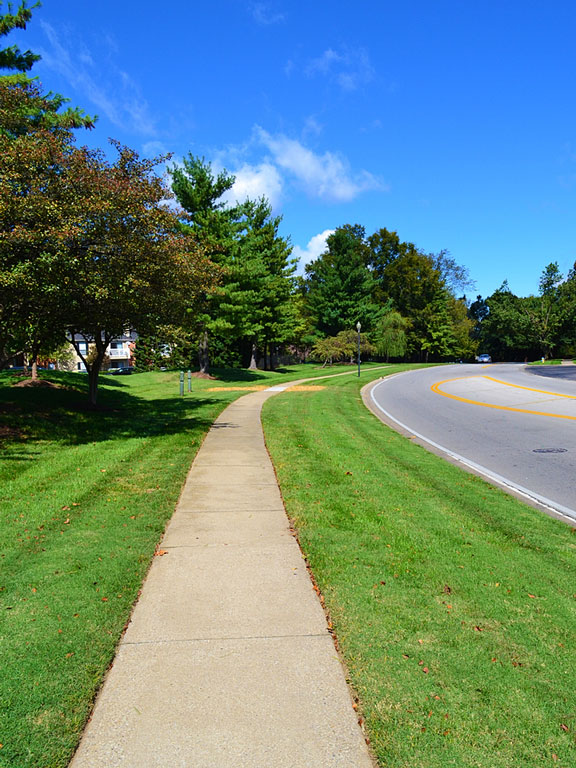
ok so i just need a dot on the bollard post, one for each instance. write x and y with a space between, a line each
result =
181 383
189 381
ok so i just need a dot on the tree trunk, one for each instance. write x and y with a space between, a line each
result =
95 367
93 384
35 362
203 361
253 365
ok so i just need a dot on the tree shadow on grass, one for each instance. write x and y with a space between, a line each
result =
62 415
242 375
245 374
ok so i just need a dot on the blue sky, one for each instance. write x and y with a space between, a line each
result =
452 122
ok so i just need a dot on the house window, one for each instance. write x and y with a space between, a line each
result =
83 347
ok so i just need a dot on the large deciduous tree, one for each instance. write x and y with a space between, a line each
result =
25 109
90 246
544 312
391 335
567 301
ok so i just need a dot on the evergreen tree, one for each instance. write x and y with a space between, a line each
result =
35 109
339 286
251 308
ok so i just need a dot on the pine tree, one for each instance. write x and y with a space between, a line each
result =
24 106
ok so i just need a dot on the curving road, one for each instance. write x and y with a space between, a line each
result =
514 424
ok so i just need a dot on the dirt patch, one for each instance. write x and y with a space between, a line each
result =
9 434
199 375
305 388
37 383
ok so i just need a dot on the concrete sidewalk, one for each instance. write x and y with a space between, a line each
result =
227 661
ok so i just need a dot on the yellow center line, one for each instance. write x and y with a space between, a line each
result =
436 388
530 389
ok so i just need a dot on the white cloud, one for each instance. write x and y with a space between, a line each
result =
154 148
312 126
121 102
347 68
325 63
327 176
255 181
316 246
264 14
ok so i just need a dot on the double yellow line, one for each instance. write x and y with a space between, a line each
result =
436 388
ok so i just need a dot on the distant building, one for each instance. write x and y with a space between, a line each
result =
119 353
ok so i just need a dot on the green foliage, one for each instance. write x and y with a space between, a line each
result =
544 312
252 307
439 339
343 346
365 278
38 109
339 287
200 193
88 245
566 339
513 327
391 335
167 346
13 57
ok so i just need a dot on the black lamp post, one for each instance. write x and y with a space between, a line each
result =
358 326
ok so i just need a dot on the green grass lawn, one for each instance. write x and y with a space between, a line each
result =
85 497
546 362
454 605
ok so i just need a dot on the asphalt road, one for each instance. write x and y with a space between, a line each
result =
512 423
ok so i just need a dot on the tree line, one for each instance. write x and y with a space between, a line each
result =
511 327
90 247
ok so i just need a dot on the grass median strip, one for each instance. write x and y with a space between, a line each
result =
454 604
85 497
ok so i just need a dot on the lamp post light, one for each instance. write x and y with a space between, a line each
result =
358 326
